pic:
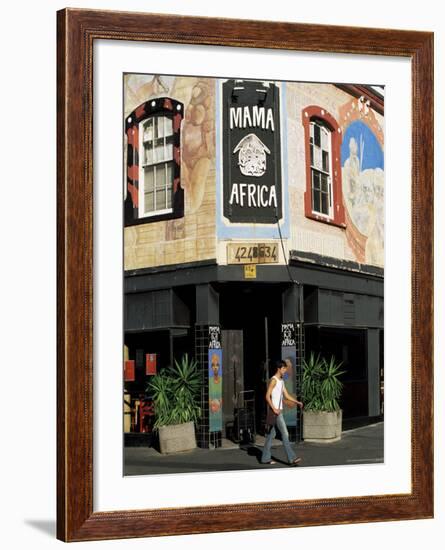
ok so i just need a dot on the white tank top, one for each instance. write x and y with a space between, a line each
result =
277 393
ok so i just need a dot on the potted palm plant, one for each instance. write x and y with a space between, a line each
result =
176 395
321 390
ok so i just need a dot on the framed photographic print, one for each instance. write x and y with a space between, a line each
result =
244 275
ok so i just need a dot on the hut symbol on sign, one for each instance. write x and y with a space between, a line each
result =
252 155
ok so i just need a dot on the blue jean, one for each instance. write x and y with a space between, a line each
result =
281 425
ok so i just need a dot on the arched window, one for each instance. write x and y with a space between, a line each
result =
321 168
323 197
153 162
155 191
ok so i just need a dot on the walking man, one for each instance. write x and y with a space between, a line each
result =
276 391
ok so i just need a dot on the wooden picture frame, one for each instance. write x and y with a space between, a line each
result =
77 31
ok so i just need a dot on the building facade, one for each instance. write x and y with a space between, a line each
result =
254 231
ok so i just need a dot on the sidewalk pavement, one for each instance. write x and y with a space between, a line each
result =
359 446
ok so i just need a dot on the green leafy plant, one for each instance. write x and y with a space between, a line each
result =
176 393
321 387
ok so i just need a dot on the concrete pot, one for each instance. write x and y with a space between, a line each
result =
322 427
177 438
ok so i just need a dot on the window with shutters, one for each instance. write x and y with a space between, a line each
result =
154 162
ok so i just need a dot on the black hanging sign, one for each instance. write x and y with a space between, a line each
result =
251 152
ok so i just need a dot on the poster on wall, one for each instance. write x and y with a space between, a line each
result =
215 390
289 355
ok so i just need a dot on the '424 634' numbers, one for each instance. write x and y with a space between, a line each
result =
257 253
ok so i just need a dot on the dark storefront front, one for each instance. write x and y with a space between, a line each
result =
329 310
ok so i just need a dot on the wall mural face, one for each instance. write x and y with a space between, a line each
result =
175 239
363 181
215 390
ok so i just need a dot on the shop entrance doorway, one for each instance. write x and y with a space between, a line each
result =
250 316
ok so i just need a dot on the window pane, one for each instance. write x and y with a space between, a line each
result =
148 130
324 139
324 203
169 174
158 153
315 180
148 202
317 158
325 155
159 126
316 201
169 148
160 199
324 183
148 180
168 126
148 157
312 154
317 135
168 151
160 176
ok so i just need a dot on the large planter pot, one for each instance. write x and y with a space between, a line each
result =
177 438
322 427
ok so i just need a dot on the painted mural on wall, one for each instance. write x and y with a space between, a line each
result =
215 390
289 354
189 237
362 160
237 188
198 129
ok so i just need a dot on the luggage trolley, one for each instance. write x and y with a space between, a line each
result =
244 421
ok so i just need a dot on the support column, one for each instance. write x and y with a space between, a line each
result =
292 351
208 353
207 305
373 357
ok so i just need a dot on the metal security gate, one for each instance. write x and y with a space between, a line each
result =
299 357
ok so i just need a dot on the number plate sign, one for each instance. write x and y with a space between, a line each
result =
252 253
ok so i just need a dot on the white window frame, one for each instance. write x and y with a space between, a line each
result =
143 165
323 128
